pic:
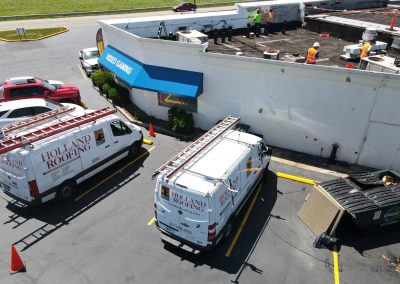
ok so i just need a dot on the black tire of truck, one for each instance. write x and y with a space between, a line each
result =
265 173
134 150
228 229
65 191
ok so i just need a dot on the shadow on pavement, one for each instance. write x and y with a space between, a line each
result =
349 235
57 215
247 241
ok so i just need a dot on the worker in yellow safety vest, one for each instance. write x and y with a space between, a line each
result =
365 49
270 19
257 22
312 53
270 16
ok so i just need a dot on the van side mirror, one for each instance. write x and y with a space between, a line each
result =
232 190
267 152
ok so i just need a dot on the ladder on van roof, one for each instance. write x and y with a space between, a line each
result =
39 134
40 118
182 158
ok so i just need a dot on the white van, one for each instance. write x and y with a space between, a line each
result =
200 191
49 160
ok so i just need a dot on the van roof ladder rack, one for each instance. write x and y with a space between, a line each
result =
39 134
191 151
40 118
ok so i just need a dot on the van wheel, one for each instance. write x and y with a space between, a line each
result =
228 229
133 151
265 173
65 191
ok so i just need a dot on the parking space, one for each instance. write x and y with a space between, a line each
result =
105 234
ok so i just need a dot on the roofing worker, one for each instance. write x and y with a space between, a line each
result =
365 49
312 53
257 22
270 20
365 52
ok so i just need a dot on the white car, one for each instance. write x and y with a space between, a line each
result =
89 60
21 109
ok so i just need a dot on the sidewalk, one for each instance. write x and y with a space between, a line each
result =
280 155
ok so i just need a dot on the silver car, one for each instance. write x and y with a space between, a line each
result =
89 60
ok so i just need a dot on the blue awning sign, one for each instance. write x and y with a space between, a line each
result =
150 77
119 64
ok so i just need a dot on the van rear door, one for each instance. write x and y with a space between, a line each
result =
194 217
13 178
168 208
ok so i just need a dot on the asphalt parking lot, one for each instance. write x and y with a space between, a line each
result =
105 234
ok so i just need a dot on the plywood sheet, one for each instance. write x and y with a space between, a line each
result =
320 212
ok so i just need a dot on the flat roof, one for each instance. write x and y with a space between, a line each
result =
382 16
295 42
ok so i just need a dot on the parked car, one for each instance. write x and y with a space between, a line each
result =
184 7
89 58
17 110
29 87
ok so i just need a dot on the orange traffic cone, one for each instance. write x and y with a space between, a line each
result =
16 264
393 21
151 131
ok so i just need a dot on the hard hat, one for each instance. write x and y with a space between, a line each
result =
316 44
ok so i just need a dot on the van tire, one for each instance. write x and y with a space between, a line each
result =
133 151
228 229
265 173
65 191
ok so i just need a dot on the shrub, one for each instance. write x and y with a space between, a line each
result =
101 77
105 88
180 121
123 94
113 94
95 78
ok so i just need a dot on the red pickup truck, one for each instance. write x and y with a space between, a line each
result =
31 87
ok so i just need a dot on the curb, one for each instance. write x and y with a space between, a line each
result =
157 128
40 38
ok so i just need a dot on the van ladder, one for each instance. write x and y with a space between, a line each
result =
40 118
39 134
187 154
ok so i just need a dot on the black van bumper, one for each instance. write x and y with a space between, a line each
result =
180 242
34 202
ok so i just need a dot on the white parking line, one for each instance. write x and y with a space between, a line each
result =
82 72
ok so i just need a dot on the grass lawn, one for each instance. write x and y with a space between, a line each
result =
31 34
23 7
